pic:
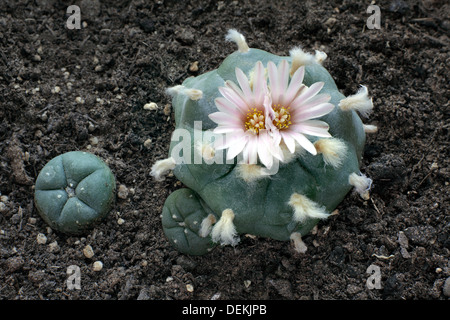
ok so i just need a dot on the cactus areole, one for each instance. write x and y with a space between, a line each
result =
265 145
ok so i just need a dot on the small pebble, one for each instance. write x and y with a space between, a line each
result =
88 252
151 106
41 238
190 288
403 240
405 254
122 192
167 110
3 207
97 266
91 127
120 221
44 116
216 296
53 247
79 100
148 143
194 67
93 141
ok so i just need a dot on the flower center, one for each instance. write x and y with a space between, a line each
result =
282 118
255 121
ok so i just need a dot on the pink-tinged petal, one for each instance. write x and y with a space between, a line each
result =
229 139
310 103
251 152
233 93
276 137
316 100
245 151
225 118
304 142
306 94
312 112
226 106
226 129
264 155
266 151
259 83
245 86
283 79
236 147
272 143
288 140
273 82
238 92
233 142
313 127
268 112
295 86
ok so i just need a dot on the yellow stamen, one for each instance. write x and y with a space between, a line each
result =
282 117
255 121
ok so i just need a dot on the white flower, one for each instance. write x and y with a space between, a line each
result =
258 116
294 105
244 116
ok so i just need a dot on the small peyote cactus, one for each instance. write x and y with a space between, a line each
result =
74 192
293 147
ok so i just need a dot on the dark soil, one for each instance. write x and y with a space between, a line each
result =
84 89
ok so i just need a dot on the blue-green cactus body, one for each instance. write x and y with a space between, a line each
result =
74 191
261 208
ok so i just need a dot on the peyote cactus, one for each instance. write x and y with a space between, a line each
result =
74 191
293 147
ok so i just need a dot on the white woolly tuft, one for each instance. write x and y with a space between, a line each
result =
193 94
299 245
369 128
320 56
251 172
239 39
305 208
224 230
206 226
161 167
361 183
333 151
300 58
359 102
205 150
